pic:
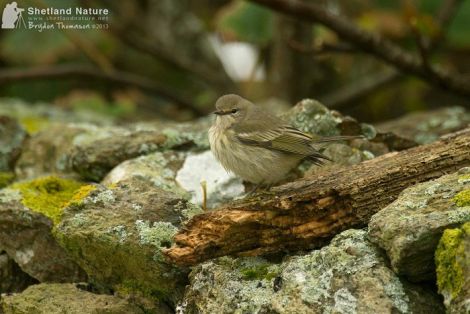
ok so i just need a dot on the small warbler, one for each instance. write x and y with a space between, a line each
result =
258 146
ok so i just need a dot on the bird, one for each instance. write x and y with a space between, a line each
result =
258 146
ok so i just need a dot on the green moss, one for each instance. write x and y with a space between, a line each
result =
258 272
462 198
464 178
48 195
448 270
34 124
134 287
80 194
125 268
6 178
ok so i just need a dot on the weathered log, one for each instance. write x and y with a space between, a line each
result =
305 213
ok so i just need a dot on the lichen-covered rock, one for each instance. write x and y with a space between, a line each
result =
410 227
12 136
49 195
348 276
26 236
94 159
40 116
6 178
221 186
453 269
117 234
65 298
48 151
312 117
158 168
425 127
12 278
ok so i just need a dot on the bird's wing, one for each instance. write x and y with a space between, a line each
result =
283 138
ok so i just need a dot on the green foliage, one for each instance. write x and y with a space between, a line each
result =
247 21
459 30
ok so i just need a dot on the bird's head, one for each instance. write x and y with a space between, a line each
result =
231 109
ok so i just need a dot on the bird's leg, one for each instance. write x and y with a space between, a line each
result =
253 190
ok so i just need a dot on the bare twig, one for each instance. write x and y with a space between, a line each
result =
115 76
85 45
345 95
339 98
134 41
372 43
422 44
320 48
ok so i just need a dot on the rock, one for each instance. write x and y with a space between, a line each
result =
48 151
12 278
26 237
159 169
453 268
28 212
427 126
6 178
65 298
312 117
12 136
348 276
410 227
94 159
181 173
117 234
221 185
40 116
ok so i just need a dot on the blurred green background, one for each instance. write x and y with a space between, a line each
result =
172 58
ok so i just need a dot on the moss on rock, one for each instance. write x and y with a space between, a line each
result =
117 237
258 272
462 198
49 195
34 124
6 178
450 278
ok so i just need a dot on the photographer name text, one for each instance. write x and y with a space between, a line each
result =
61 25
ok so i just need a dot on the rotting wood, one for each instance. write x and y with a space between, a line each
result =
305 213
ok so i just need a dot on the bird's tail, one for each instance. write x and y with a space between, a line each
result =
318 158
328 139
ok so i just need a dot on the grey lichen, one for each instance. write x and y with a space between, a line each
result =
368 131
104 196
188 209
311 116
9 195
120 231
158 234
178 136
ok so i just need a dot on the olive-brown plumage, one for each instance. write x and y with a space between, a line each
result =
256 145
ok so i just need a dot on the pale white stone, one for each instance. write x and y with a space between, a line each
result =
221 185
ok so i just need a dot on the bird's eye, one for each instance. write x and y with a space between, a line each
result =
234 110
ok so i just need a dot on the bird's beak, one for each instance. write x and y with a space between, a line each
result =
219 113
